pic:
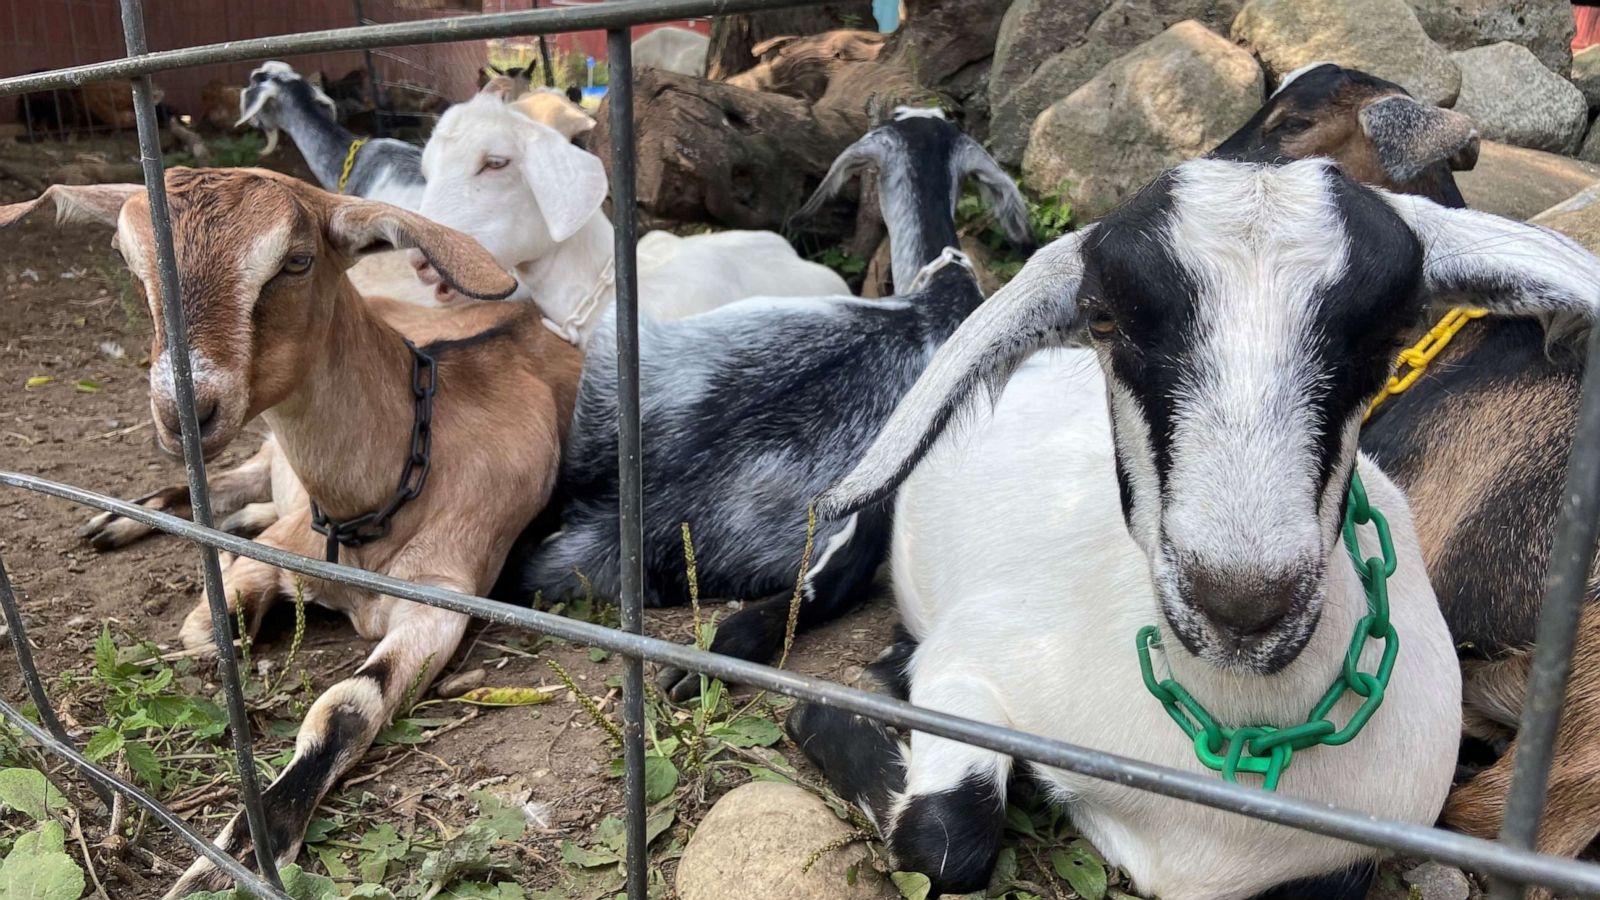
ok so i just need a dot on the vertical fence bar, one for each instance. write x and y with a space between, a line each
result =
177 338
619 80
1566 586
30 672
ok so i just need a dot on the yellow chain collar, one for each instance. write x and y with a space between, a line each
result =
350 161
1413 361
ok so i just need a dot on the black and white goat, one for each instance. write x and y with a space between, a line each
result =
1189 470
751 409
277 98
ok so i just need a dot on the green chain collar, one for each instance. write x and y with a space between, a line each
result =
1264 749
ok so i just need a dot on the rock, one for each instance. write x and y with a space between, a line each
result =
1543 26
1577 217
1174 97
1586 74
755 843
1048 48
1519 183
1435 881
1380 37
1515 99
1590 151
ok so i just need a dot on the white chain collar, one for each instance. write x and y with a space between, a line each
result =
571 328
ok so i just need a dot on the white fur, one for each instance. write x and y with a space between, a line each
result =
1029 622
540 217
673 49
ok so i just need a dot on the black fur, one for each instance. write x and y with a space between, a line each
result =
1351 884
953 836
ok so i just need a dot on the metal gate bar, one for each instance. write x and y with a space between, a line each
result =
1511 860
1418 840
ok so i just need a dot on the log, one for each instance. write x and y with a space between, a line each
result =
803 67
733 37
710 152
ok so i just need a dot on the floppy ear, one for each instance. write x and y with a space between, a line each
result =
1503 266
252 99
1037 309
568 183
75 203
1411 137
855 159
999 191
358 227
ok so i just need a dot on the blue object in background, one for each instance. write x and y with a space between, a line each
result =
887 12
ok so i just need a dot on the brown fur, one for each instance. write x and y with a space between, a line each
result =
333 379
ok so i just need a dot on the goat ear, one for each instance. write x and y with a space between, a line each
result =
1037 309
999 191
568 183
365 226
100 203
252 99
1411 137
853 161
1503 266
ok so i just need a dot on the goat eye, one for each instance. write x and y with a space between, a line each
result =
1294 124
494 162
298 264
1102 324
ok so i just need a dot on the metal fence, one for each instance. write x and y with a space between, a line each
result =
1510 861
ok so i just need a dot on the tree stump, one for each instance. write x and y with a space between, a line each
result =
734 37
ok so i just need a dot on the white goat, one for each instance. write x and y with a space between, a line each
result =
533 200
1244 316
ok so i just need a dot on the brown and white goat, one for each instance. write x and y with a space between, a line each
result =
277 331
1479 443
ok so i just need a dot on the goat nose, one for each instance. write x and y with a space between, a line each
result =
205 409
1244 604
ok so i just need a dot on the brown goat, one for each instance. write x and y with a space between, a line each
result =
277 330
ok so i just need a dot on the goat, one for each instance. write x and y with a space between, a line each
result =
263 255
752 408
1243 316
277 98
544 105
533 199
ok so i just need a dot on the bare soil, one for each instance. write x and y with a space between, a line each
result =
69 312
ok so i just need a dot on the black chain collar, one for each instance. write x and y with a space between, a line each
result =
376 524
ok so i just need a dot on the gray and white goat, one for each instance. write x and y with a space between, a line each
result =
751 409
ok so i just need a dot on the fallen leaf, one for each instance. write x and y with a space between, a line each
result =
39 381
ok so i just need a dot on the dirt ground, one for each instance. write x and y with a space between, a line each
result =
72 326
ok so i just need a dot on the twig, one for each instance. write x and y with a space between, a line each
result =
119 432
155 862
88 858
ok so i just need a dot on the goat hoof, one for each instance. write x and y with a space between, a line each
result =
680 685
109 531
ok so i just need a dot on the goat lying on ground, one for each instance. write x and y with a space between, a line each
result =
1244 316
533 199
263 256
751 409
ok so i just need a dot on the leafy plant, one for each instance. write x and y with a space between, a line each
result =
847 264
38 867
227 151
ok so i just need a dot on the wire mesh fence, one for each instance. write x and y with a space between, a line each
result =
1511 860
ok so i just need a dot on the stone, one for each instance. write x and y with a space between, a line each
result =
1586 74
1514 99
1544 26
1379 37
1174 97
755 843
1436 881
1577 217
1518 183
1049 48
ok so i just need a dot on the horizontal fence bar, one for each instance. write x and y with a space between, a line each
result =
596 17
1472 853
103 780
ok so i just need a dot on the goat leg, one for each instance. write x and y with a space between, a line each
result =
1572 812
250 482
339 729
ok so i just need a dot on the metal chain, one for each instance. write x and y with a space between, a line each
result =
1265 749
413 478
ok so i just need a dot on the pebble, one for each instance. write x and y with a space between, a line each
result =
1436 881
460 683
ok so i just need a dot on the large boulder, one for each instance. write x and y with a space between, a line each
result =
1518 183
1513 98
1543 26
1380 37
1173 97
1586 74
756 841
1577 217
1049 48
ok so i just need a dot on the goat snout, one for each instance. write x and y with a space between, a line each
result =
205 409
1245 604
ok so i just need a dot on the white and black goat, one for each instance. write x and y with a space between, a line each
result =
753 408
1188 470
277 98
